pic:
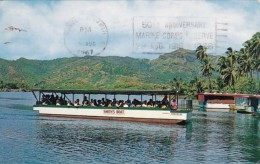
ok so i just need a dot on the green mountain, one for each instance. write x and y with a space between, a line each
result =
96 72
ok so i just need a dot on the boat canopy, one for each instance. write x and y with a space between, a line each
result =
112 92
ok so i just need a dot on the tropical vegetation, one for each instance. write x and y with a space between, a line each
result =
188 72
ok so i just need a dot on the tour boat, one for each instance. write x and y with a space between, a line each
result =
136 113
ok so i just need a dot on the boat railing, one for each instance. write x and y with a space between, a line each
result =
115 108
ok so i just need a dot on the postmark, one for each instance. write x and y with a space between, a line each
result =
85 36
152 35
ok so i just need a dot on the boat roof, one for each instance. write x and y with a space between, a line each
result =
235 95
112 92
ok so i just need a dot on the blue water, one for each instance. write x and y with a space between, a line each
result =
211 137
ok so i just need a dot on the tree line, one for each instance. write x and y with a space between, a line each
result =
237 72
6 86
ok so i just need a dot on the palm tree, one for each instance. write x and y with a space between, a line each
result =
232 55
201 53
207 70
196 83
230 74
253 48
254 45
178 84
222 64
219 84
229 68
246 62
257 67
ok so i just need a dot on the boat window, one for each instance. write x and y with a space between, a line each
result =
241 101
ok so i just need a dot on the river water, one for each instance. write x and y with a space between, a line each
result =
211 137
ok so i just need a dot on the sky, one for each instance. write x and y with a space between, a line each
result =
48 30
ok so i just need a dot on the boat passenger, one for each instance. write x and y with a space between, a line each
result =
164 105
85 103
107 102
118 104
132 104
55 99
44 98
102 104
165 100
98 102
136 103
76 103
129 103
52 99
84 99
156 104
95 102
144 104
103 101
45 102
58 102
69 103
114 102
150 104
174 105
121 102
61 100
125 105
92 102
110 104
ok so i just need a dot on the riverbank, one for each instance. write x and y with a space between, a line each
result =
14 90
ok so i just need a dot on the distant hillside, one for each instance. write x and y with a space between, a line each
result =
95 72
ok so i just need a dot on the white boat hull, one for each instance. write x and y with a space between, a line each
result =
146 115
214 107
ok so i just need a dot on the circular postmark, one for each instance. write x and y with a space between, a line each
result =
85 36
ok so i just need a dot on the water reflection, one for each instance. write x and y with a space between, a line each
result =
229 135
129 142
211 137
248 135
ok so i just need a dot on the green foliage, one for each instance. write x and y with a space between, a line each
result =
207 67
179 85
236 67
243 85
95 72
188 71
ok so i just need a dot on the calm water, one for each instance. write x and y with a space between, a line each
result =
212 137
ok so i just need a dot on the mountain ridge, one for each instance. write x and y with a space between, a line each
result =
98 72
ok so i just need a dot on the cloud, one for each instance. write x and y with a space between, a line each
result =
45 24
